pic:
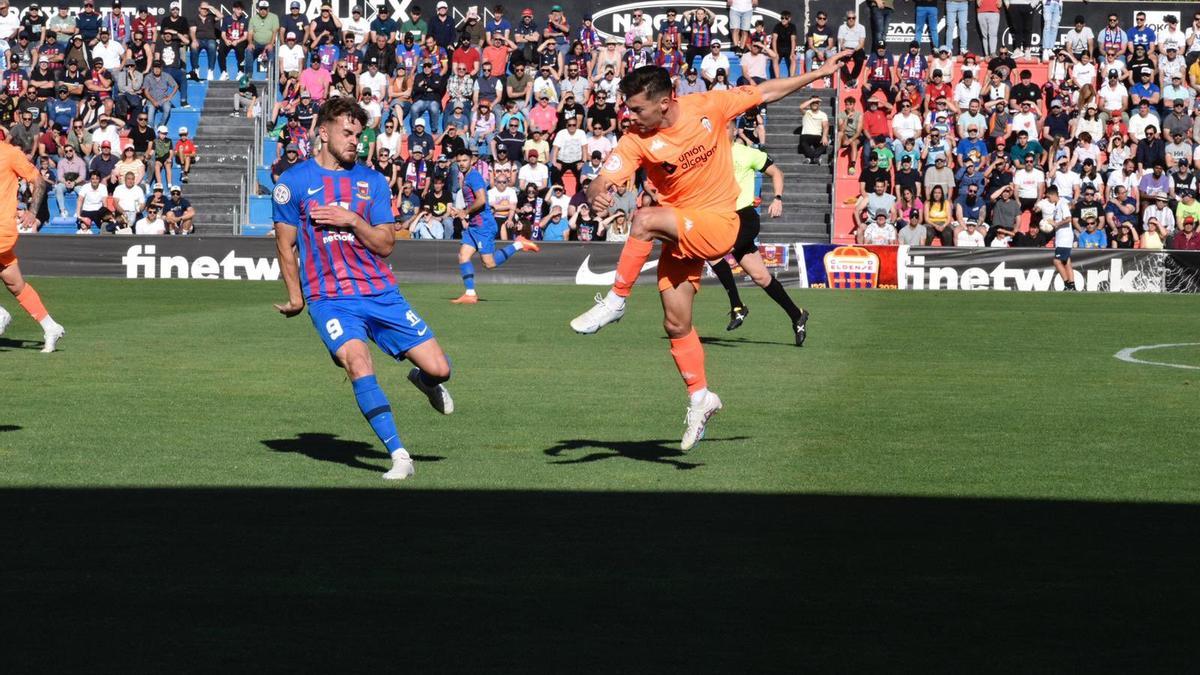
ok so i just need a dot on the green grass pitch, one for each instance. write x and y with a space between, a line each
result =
931 473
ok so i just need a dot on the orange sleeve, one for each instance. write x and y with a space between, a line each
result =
623 161
19 163
729 103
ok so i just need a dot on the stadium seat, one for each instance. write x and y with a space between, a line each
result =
257 230
260 210
264 178
270 151
59 226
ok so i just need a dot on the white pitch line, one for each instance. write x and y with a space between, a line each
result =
1127 355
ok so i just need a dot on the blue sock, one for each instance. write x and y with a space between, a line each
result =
504 254
468 274
374 406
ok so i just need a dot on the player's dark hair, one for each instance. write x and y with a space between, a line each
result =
338 106
653 81
462 152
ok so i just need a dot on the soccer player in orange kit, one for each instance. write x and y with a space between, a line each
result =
14 165
683 146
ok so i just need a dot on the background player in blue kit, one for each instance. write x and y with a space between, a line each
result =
324 209
480 232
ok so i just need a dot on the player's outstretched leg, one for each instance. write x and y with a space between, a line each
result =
737 311
373 404
31 302
753 264
431 370
648 224
467 270
688 353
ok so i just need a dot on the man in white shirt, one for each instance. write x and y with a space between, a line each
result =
1126 176
357 26
151 224
89 207
291 55
1026 120
566 152
1080 39
1068 182
1171 36
502 197
966 91
130 199
533 172
373 79
1030 183
713 60
1114 97
1140 120
110 52
1160 211
906 124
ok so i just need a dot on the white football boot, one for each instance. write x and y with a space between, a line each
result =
438 395
599 316
696 419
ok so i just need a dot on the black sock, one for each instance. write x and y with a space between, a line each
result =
725 274
781 297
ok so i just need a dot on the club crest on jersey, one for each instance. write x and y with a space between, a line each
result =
657 144
613 163
363 189
706 124
281 194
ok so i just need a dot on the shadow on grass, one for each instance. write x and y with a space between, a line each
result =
166 580
329 448
10 427
8 343
662 451
718 341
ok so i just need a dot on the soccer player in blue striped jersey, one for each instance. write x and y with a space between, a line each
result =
333 235
480 231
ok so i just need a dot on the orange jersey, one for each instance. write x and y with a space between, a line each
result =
689 162
13 165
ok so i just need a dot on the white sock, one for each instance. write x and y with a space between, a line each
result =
470 291
697 397
613 300
48 323
519 245
400 454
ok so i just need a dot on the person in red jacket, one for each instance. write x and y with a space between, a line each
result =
1187 238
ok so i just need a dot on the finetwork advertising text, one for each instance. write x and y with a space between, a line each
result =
918 273
141 262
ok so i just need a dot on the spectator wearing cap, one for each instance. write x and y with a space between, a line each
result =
527 36
185 153
175 24
415 26
109 52
235 29
374 78
558 29
1187 207
1171 37
316 81
170 54
1145 89
1187 238
1114 98
442 25
159 89
428 89
161 153
178 212
384 25
290 158
145 24
262 32
60 26
61 109
290 55
205 31
88 22
69 175
420 138
295 21
245 99
325 31
357 29
533 172
117 22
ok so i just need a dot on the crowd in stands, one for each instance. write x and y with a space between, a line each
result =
88 98
533 98
964 149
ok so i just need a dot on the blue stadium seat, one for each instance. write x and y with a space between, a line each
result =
264 178
269 151
261 210
68 204
59 226
184 118
257 230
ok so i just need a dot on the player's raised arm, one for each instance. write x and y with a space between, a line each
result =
773 90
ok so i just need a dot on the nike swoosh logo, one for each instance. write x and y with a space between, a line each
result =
423 331
584 276
313 191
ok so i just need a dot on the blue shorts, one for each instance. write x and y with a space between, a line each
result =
387 320
1062 253
482 237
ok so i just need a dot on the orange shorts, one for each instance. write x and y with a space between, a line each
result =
703 236
7 257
